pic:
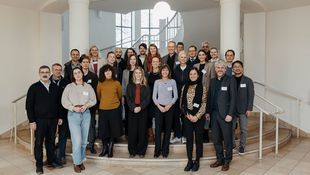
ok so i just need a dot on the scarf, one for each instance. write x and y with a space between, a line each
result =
197 98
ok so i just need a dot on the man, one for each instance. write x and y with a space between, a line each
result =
229 56
172 57
192 53
180 47
221 108
95 61
63 130
92 79
121 63
142 56
43 111
205 47
245 98
74 62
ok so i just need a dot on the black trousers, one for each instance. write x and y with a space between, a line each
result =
222 130
92 127
45 132
137 136
64 133
162 119
151 111
198 128
177 124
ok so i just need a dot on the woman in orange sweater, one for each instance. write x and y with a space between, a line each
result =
109 92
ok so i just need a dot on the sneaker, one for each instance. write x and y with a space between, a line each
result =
241 150
175 140
183 140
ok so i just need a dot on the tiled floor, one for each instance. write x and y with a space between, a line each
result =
293 159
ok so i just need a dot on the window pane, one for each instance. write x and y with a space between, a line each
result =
154 19
126 37
154 31
118 19
126 20
144 18
118 35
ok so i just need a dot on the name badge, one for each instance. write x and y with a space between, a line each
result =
169 88
224 88
195 105
242 85
177 62
204 71
85 93
89 81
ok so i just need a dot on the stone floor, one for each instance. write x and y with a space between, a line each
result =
294 158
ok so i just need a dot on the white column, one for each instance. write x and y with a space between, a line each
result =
230 27
79 25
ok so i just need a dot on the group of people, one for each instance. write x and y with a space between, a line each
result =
185 93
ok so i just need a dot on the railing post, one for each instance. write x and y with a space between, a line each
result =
31 141
261 134
15 123
298 118
277 133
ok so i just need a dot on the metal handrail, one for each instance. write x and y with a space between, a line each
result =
14 127
137 40
260 147
299 101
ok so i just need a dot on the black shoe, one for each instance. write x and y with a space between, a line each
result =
92 149
195 166
56 165
132 156
241 150
39 170
105 150
156 156
165 156
188 166
141 155
110 150
63 161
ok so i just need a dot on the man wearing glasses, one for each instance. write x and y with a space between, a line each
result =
43 111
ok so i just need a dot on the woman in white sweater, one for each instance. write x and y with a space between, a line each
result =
78 97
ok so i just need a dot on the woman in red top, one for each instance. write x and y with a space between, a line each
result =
152 52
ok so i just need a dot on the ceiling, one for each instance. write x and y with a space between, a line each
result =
124 6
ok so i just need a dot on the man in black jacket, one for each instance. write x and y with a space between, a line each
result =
43 111
74 62
63 130
245 98
221 108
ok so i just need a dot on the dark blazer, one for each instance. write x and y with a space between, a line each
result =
245 95
176 61
62 83
68 71
145 96
144 64
91 79
192 63
226 100
181 77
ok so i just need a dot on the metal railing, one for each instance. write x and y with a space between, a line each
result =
298 100
137 41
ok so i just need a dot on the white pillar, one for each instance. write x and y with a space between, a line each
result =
230 27
79 25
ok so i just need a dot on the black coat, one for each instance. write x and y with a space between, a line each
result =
245 95
145 96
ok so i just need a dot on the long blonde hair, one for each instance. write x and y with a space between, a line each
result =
143 79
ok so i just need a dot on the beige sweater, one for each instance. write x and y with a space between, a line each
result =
78 95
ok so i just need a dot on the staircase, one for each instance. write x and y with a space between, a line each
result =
177 154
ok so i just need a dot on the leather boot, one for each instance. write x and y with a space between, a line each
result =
110 149
150 135
105 150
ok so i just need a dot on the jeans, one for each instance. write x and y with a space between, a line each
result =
79 127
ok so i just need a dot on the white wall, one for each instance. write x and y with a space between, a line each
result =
101 31
21 43
285 44
202 25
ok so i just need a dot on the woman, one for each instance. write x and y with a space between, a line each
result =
78 97
165 94
138 98
206 73
193 104
95 61
152 77
152 52
132 63
109 92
